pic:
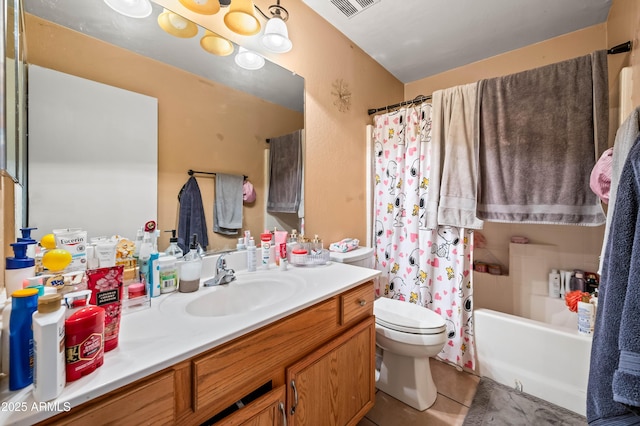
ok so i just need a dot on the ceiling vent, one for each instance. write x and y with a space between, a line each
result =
351 8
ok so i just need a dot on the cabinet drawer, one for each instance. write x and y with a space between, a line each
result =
148 402
357 303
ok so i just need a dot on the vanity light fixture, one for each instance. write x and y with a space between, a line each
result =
240 18
131 8
248 59
214 43
176 25
204 7
276 36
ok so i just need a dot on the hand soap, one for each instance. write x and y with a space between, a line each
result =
191 268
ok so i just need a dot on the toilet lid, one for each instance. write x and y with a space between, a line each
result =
407 317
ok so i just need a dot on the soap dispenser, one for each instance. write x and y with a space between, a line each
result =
191 268
173 249
26 238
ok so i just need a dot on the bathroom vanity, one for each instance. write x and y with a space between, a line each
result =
307 356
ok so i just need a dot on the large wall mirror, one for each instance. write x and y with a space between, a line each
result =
212 115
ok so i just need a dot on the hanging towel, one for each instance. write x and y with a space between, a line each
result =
614 374
456 135
227 205
540 133
625 138
191 219
285 174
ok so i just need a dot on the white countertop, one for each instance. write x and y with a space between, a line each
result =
165 334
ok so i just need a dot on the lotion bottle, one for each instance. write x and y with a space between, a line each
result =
251 255
48 348
265 246
554 283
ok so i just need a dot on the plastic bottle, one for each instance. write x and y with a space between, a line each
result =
265 246
168 274
554 283
154 275
174 249
6 319
18 268
26 238
251 255
241 245
191 268
84 335
144 255
24 304
577 281
48 347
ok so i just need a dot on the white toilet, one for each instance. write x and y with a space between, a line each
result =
408 335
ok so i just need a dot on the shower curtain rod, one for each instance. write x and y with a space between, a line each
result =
620 48
192 172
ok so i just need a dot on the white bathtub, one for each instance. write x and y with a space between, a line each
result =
544 360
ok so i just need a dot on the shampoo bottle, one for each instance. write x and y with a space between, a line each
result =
48 347
554 283
251 255
24 304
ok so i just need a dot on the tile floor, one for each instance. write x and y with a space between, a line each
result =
455 393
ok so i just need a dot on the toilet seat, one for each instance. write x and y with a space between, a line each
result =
407 317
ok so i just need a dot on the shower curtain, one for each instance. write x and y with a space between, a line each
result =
428 267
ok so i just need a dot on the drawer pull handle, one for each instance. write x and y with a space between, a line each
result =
284 414
295 397
362 302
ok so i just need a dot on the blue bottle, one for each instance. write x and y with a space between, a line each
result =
23 304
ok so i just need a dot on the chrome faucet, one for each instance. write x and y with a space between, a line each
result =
223 274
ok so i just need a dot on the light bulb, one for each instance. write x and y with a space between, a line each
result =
249 60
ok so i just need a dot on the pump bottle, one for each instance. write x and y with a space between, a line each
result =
191 268
173 249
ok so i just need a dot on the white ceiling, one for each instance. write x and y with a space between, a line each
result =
414 39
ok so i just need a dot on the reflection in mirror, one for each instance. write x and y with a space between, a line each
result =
212 115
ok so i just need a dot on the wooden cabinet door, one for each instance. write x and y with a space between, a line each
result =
268 410
334 385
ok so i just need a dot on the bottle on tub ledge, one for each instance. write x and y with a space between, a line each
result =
554 284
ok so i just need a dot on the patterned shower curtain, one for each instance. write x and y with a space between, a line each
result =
428 267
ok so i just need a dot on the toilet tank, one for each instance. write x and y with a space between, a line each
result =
362 256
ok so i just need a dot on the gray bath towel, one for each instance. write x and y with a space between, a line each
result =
227 214
285 173
191 219
540 134
614 374
454 129
626 136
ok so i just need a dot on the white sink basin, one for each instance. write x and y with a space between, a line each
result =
247 293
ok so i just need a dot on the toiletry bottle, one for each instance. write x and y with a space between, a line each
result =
577 281
84 335
6 319
143 260
554 283
240 245
18 267
265 247
173 249
24 304
154 275
251 255
280 238
168 273
92 261
191 268
48 348
26 238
